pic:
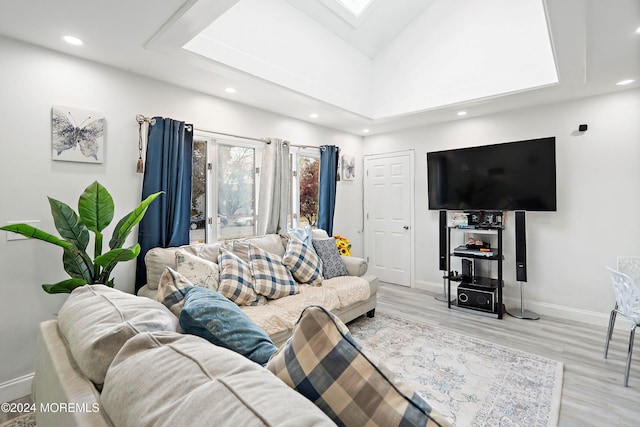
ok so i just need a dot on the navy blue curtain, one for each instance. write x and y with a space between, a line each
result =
329 155
168 168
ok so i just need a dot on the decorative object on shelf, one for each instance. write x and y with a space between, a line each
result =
343 244
77 135
459 219
348 167
95 213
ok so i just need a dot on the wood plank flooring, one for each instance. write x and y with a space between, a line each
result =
592 391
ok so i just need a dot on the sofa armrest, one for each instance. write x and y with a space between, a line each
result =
355 266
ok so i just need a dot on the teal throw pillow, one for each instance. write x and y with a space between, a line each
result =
210 315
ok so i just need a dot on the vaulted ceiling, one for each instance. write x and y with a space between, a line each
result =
394 65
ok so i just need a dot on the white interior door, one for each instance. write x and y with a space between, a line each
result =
388 192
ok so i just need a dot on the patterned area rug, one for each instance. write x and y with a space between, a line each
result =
26 420
470 381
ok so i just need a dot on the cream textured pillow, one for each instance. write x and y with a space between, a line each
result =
97 320
199 271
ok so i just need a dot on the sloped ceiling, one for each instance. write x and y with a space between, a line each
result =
399 64
443 53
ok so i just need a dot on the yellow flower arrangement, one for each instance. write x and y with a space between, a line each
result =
343 244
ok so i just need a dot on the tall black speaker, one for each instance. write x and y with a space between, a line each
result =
442 254
443 241
521 246
521 266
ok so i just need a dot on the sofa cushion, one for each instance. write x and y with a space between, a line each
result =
199 271
271 277
166 380
324 363
97 320
213 317
157 259
270 242
303 262
236 280
332 265
171 290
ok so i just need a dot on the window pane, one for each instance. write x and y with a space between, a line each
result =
309 173
199 193
236 191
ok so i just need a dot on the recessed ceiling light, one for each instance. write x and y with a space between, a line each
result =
638 30
72 40
462 113
230 90
314 115
365 130
625 82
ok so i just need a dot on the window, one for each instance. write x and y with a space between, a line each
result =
224 181
305 186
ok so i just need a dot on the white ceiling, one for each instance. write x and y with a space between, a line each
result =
594 42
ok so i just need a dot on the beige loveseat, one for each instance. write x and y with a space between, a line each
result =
348 297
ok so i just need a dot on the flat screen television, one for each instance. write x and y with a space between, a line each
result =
510 176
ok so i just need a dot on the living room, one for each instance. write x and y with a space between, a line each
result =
568 249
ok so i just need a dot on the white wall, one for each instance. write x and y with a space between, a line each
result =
598 199
31 81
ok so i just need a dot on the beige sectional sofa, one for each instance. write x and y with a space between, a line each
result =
116 359
346 296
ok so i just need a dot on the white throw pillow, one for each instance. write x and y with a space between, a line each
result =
197 270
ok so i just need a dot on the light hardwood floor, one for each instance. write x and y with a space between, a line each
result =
592 391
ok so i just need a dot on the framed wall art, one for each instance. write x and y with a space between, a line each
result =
77 135
348 167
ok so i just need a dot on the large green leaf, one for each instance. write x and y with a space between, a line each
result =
78 265
96 207
34 233
115 256
64 287
126 224
68 224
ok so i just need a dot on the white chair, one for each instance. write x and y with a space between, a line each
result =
629 265
628 305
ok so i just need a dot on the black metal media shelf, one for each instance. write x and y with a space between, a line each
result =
482 288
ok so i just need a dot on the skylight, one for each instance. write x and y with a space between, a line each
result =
355 6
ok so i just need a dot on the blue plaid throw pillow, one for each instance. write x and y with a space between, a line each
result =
304 264
322 361
270 277
236 280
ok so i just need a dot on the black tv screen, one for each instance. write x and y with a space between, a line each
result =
511 176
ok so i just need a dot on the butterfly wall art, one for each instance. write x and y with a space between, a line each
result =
348 167
77 135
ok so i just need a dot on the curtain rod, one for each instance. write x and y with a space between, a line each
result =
141 119
265 140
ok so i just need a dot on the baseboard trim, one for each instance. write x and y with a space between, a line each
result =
541 308
16 388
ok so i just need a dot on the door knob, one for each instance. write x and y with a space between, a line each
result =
406 227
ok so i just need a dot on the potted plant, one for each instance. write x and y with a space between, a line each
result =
95 213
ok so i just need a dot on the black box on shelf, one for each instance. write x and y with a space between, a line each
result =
477 297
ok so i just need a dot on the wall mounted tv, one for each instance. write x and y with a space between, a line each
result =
511 176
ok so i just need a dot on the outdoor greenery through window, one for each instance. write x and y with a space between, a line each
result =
224 181
305 189
225 184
